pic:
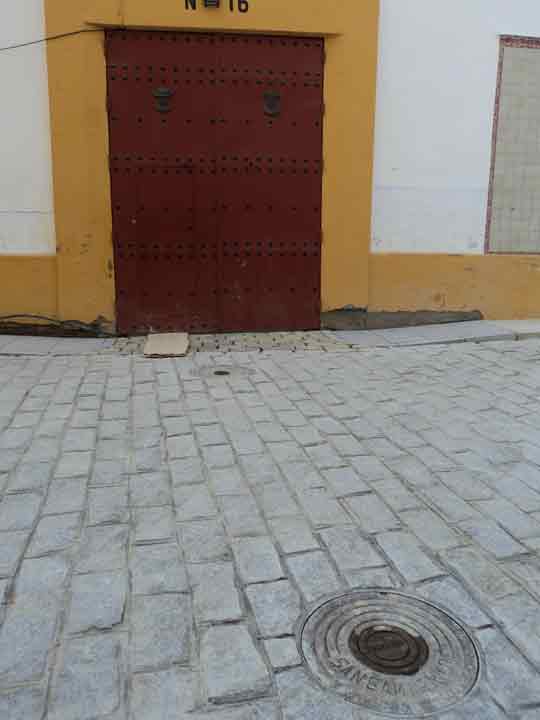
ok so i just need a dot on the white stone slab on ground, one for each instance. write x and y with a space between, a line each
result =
522 328
167 345
442 333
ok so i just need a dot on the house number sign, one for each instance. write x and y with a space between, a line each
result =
234 5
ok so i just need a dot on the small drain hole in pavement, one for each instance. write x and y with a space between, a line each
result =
221 373
389 649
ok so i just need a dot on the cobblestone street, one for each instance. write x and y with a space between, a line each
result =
163 529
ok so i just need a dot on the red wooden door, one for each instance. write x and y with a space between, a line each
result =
216 155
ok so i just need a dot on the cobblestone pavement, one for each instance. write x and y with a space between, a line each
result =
162 529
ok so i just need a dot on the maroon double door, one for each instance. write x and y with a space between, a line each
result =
216 163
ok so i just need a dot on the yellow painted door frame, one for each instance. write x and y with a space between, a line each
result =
80 145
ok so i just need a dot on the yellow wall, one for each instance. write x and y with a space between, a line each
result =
79 282
28 285
80 142
500 286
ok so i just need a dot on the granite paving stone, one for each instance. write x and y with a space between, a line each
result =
345 481
527 473
384 449
108 505
181 446
469 486
241 515
282 653
53 533
301 699
246 442
147 437
215 596
372 514
187 471
486 579
347 445
177 426
491 537
275 500
112 449
65 495
518 523
431 530
410 559
90 681
79 439
43 577
396 495
287 452
148 489
12 545
479 705
232 665
103 548
515 490
228 481
161 631
218 456
148 459
518 617
260 469
153 524
4 586
324 456
73 464
412 471
30 476
349 549
26 637
18 512
450 505
157 569
511 679
210 435
108 472
194 503
256 559
380 577
24 703
293 534
204 541
98 601
450 593
276 606
313 574
166 695
321 508
42 449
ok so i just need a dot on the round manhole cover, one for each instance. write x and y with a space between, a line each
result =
222 372
390 652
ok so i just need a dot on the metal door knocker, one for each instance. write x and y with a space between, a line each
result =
163 97
272 103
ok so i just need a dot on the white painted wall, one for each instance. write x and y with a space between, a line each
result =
436 94
26 209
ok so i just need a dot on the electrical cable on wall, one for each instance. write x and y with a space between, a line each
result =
82 31
14 321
